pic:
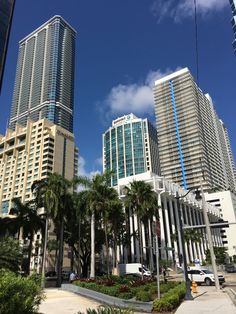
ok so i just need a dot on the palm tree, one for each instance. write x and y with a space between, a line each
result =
97 188
46 198
53 194
141 199
7 227
190 235
27 220
110 201
116 221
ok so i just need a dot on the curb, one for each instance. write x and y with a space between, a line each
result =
232 294
199 295
109 300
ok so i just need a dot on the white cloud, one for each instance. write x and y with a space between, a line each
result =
82 171
135 98
179 9
99 161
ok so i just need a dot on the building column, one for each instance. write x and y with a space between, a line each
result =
168 240
144 248
162 238
132 240
180 251
136 241
173 231
189 249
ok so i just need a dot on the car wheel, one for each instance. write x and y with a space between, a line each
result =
208 281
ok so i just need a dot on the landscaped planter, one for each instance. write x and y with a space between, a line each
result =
111 292
109 300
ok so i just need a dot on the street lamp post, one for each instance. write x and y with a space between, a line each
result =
188 295
209 238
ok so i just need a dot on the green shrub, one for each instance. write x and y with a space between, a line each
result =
153 290
112 291
170 300
143 296
182 291
21 295
125 295
165 287
160 305
168 303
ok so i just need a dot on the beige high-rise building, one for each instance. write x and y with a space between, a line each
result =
193 142
31 153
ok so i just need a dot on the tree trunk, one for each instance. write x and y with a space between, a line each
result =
44 252
29 252
79 249
60 255
115 251
72 259
140 244
107 248
92 264
150 245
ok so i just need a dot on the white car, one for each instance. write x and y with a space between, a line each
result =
204 276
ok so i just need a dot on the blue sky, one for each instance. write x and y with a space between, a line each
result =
122 46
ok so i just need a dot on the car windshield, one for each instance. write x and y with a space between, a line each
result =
206 271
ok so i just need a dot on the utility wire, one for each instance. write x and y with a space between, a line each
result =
197 92
196 39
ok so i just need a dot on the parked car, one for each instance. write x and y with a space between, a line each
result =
230 268
65 274
50 273
204 276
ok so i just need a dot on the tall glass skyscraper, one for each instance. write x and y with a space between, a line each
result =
44 85
233 21
6 13
193 142
130 147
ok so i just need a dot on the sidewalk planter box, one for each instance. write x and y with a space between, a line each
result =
109 300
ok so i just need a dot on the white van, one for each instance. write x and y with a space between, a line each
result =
133 269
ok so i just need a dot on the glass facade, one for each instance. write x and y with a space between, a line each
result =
130 148
233 22
44 85
6 12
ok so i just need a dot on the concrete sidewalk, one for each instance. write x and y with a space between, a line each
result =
63 302
210 301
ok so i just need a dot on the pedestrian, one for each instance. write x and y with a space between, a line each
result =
164 274
72 276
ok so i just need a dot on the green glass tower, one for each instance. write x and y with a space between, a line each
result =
130 147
